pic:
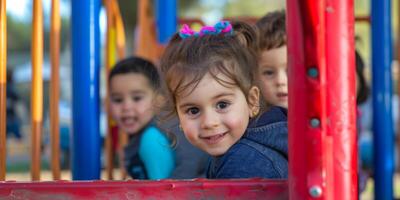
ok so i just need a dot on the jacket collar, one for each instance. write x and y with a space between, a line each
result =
270 129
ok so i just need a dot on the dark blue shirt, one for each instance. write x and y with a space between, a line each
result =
261 152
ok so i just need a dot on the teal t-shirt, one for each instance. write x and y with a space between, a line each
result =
156 153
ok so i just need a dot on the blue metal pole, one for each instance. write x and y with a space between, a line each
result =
166 19
382 98
85 84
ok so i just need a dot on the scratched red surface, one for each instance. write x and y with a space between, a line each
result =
132 189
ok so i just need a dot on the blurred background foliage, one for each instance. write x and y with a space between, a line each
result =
19 26
19 30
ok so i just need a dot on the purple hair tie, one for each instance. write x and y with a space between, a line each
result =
221 27
207 30
186 32
224 27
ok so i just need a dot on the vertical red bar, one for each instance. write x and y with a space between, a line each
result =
341 102
297 100
307 94
322 101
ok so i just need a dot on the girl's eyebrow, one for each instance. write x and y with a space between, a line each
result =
225 94
186 105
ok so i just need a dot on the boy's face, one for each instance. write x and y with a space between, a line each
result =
131 101
272 76
213 116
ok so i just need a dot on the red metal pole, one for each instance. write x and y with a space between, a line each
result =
341 101
322 140
305 141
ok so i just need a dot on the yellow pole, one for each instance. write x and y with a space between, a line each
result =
120 30
146 44
3 84
37 87
120 37
115 38
54 88
110 34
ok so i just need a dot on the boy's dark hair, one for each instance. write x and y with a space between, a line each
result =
137 65
363 89
272 30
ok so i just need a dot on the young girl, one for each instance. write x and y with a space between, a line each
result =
134 86
209 75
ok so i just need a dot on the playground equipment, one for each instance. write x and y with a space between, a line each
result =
323 155
381 97
37 87
165 189
322 139
3 82
54 88
115 50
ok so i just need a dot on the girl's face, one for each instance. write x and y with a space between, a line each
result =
132 101
272 76
213 116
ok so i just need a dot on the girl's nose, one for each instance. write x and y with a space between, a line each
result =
209 120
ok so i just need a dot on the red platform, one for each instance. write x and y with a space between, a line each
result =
132 189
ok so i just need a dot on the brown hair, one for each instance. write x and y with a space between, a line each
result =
186 61
137 65
272 30
363 90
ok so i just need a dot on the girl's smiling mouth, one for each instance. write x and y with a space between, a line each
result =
214 139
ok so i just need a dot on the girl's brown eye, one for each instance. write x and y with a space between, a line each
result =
192 111
222 105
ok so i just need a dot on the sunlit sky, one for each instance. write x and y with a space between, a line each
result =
20 9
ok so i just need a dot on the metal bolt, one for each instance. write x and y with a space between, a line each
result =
314 122
315 191
313 72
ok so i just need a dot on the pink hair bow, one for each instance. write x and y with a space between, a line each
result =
220 27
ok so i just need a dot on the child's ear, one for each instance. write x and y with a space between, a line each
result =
159 100
254 101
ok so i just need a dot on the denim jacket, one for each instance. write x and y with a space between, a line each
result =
261 152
